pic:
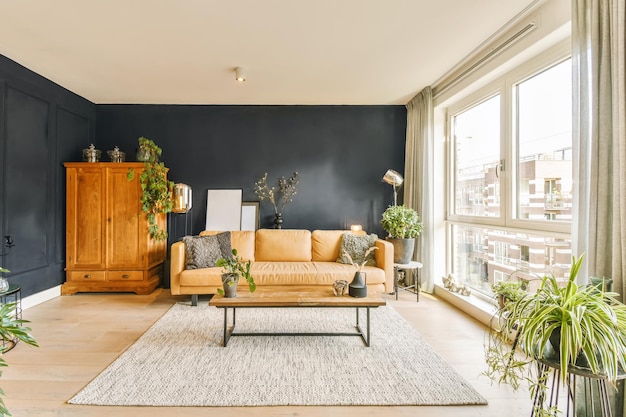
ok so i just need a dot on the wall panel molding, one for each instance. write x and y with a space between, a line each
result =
33 135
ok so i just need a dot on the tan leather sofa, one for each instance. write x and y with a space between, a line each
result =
284 257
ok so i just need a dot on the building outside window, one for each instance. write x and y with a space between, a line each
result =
510 179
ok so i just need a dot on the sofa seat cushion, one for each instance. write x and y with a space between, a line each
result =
329 272
283 273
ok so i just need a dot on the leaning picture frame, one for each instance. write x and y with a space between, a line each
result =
223 210
250 215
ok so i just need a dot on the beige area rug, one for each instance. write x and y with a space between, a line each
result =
179 361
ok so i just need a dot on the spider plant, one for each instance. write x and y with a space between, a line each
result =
578 324
586 322
507 291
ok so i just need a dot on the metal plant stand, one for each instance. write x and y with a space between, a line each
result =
586 394
12 295
413 268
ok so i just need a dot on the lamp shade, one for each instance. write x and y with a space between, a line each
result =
393 178
182 198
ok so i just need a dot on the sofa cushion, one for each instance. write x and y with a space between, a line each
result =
283 273
204 251
242 240
326 244
356 246
279 245
329 272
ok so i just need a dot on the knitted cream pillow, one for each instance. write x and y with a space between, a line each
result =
356 246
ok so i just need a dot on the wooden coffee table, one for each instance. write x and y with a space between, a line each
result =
295 296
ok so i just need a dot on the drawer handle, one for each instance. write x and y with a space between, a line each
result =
87 276
125 276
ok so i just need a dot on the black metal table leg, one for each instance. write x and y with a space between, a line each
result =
364 334
367 342
228 334
225 326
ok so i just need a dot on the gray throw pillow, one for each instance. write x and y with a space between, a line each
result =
356 246
204 251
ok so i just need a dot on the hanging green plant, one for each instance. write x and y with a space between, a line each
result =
156 190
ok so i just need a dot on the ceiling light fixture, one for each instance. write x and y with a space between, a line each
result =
240 74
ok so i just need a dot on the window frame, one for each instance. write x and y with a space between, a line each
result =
505 86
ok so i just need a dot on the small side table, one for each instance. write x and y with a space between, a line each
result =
412 267
591 389
12 295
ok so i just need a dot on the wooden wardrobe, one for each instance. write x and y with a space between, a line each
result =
108 248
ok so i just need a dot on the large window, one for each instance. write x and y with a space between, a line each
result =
510 182
544 138
477 156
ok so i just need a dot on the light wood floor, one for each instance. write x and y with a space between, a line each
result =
80 335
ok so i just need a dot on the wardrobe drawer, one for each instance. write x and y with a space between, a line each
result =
125 275
86 275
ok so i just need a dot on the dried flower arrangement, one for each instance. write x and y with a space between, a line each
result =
287 188
359 267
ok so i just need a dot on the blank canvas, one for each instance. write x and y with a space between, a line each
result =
223 210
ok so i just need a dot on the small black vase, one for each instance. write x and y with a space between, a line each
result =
278 221
358 286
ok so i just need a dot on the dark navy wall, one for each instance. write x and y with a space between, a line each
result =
341 153
41 126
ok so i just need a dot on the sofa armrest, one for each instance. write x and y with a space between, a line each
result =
177 265
384 260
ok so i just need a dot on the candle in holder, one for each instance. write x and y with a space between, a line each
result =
357 229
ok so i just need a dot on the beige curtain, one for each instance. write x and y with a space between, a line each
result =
599 59
418 177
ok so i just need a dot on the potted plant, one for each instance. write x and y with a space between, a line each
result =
402 225
4 284
156 197
570 325
11 329
507 291
234 267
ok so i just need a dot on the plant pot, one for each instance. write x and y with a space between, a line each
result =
555 341
358 286
4 285
230 282
501 301
402 250
143 155
602 283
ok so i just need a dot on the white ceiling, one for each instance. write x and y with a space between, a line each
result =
295 51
